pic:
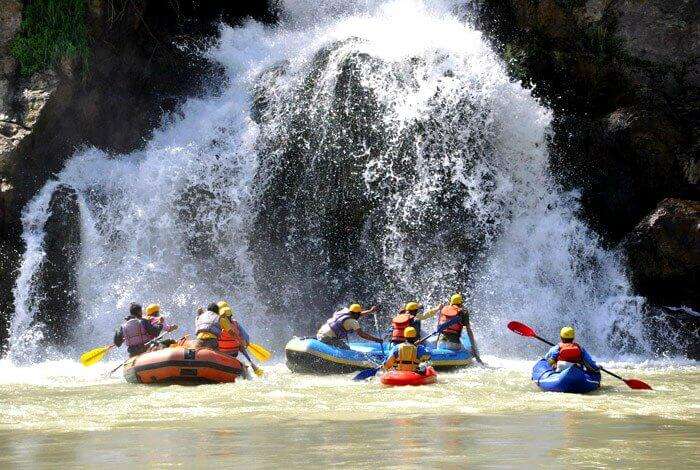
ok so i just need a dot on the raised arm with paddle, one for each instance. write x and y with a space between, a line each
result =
524 330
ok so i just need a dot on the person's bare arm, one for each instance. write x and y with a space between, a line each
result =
368 337
371 310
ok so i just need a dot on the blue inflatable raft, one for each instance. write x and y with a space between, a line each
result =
572 380
310 356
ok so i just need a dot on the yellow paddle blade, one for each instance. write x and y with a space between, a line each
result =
258 371
93 357
260 353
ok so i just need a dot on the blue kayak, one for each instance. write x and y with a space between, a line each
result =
311 356
572 380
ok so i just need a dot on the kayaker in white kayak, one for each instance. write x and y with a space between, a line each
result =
406 356
567 353
343 322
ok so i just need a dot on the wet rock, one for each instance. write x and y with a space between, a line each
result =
56 299
622 79
664 254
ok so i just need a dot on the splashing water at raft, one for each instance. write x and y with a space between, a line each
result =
376 152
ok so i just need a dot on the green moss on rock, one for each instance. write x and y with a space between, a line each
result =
51 31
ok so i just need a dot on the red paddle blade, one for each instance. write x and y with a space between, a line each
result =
521 329
637 384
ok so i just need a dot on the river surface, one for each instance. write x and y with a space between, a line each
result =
491 418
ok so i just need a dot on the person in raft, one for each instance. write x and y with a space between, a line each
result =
449 338
407 355
406 317
209 325
335 331
135 332
153 315
567 353
231 344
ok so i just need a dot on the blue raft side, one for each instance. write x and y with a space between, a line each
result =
375 351
571 380
362 351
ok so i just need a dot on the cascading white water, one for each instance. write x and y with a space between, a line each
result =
171 223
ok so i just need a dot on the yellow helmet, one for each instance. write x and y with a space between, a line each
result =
567 333
410 332
412 306
355 308
152 310
456 299
225 311
222 303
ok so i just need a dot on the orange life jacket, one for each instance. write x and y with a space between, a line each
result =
400 322
447 314
228 343
570 352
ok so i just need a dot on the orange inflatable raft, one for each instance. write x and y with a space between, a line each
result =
182 365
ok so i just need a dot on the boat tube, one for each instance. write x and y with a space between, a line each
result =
181 365
575 379
311 356
404 377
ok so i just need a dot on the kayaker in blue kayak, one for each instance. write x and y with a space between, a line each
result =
343 322
406 356
567 353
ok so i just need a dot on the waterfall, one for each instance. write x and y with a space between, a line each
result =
373 151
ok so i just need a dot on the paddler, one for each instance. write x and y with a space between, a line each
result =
335 331
153 315
407 356
230 344
568 353
449 338
409 315
209 325
135 332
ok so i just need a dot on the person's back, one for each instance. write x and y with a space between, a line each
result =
569 353
135 332
336 329
405 318
233 336
408 356
208 328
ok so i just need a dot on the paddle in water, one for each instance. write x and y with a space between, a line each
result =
258 371
367 373
524 330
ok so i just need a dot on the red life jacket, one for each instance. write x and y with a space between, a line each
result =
230 344
400 322
447 314
570 352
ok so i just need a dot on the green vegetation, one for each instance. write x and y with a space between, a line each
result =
51 30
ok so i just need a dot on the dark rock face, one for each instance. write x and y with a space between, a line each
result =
56 280
622 79
664 253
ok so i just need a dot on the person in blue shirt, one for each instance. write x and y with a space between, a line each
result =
408 356
567 352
